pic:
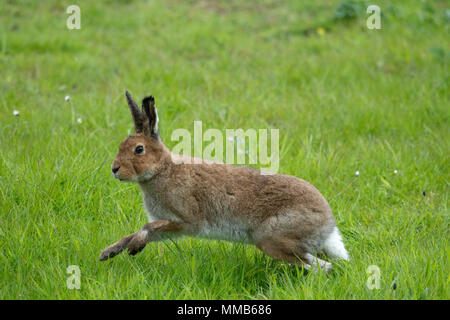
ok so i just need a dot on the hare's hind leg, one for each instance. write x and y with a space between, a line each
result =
295 236
317 263
285 249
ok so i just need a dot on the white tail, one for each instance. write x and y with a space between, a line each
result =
334 247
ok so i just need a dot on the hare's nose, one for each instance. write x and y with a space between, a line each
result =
114 170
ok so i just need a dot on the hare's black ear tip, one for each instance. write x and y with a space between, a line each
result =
127 93
150 99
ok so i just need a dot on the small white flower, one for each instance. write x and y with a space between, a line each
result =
79 120
395 171
16 113
67 98
357 173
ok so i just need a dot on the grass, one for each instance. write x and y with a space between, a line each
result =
351 99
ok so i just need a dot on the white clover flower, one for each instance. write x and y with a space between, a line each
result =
67 98
395 171
79 120
357 173
16 113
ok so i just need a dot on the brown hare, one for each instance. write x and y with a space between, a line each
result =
285 217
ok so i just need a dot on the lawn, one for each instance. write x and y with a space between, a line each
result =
344 98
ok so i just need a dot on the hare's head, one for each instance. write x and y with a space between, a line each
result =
141 155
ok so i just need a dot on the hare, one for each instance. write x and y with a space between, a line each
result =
285 217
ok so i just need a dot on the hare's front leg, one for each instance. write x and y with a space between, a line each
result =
154 231
116 248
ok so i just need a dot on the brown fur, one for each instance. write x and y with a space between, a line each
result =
284 216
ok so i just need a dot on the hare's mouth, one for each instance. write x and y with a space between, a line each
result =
124 179
118 177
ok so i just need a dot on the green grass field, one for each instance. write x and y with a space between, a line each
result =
344 98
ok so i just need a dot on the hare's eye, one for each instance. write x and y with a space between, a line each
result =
139 150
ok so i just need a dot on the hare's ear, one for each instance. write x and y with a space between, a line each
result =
139 119
148 105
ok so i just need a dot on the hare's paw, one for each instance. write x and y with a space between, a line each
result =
138 242
116 248
110 252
